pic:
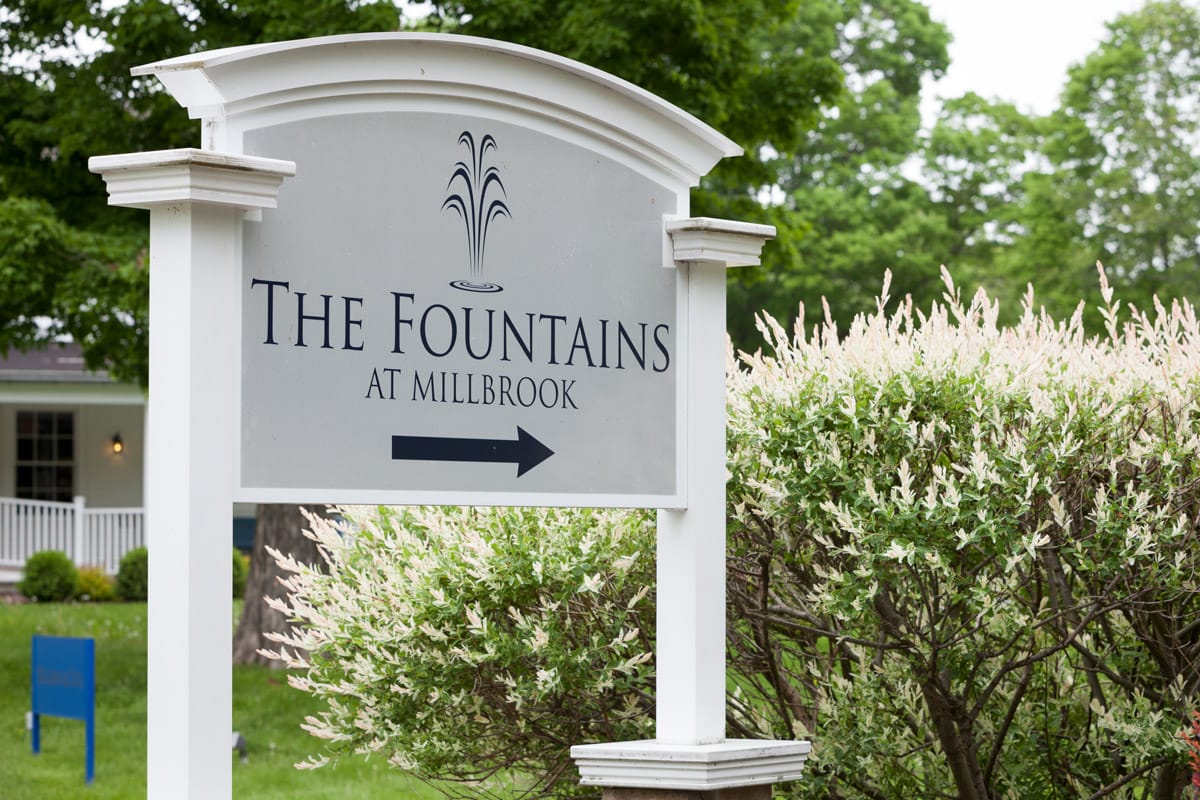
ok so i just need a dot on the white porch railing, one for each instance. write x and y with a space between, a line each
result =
98 536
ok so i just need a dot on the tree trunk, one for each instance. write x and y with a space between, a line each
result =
1170 783
957 740
277 526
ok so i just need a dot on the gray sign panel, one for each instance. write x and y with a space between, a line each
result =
460 309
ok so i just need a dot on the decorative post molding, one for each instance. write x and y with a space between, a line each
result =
717 241
197 201
690 752
187 175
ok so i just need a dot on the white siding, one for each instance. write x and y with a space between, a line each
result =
107 480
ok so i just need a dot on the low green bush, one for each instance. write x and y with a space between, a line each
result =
241 568
132 576
49 576
95 584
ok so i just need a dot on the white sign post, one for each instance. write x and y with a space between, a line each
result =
197 201
461 299
690 751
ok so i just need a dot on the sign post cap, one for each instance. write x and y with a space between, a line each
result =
165 177
721 241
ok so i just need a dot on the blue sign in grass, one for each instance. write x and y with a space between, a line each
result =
64 685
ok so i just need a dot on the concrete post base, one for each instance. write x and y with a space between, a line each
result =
762 792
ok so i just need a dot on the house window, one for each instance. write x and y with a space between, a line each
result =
46 455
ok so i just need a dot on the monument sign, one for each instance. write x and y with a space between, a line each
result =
480 286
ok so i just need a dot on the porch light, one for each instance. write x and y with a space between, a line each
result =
118 446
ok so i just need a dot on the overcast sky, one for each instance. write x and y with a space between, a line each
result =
1019 50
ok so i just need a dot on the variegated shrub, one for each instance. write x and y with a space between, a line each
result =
963 558
476 645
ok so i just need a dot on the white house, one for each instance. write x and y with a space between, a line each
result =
72 463
71 460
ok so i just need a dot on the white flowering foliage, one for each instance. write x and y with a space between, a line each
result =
964 557
475 645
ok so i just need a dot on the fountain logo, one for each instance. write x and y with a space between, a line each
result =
478 196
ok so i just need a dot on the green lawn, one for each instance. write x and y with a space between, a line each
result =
266 711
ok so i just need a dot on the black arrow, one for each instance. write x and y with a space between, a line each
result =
525 451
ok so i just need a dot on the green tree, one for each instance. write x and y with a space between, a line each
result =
1112 175
1130 138
846 209
1002 198
975 161
72 261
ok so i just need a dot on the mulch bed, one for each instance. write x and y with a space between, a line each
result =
10 596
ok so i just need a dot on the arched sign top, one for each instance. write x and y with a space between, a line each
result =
240 88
